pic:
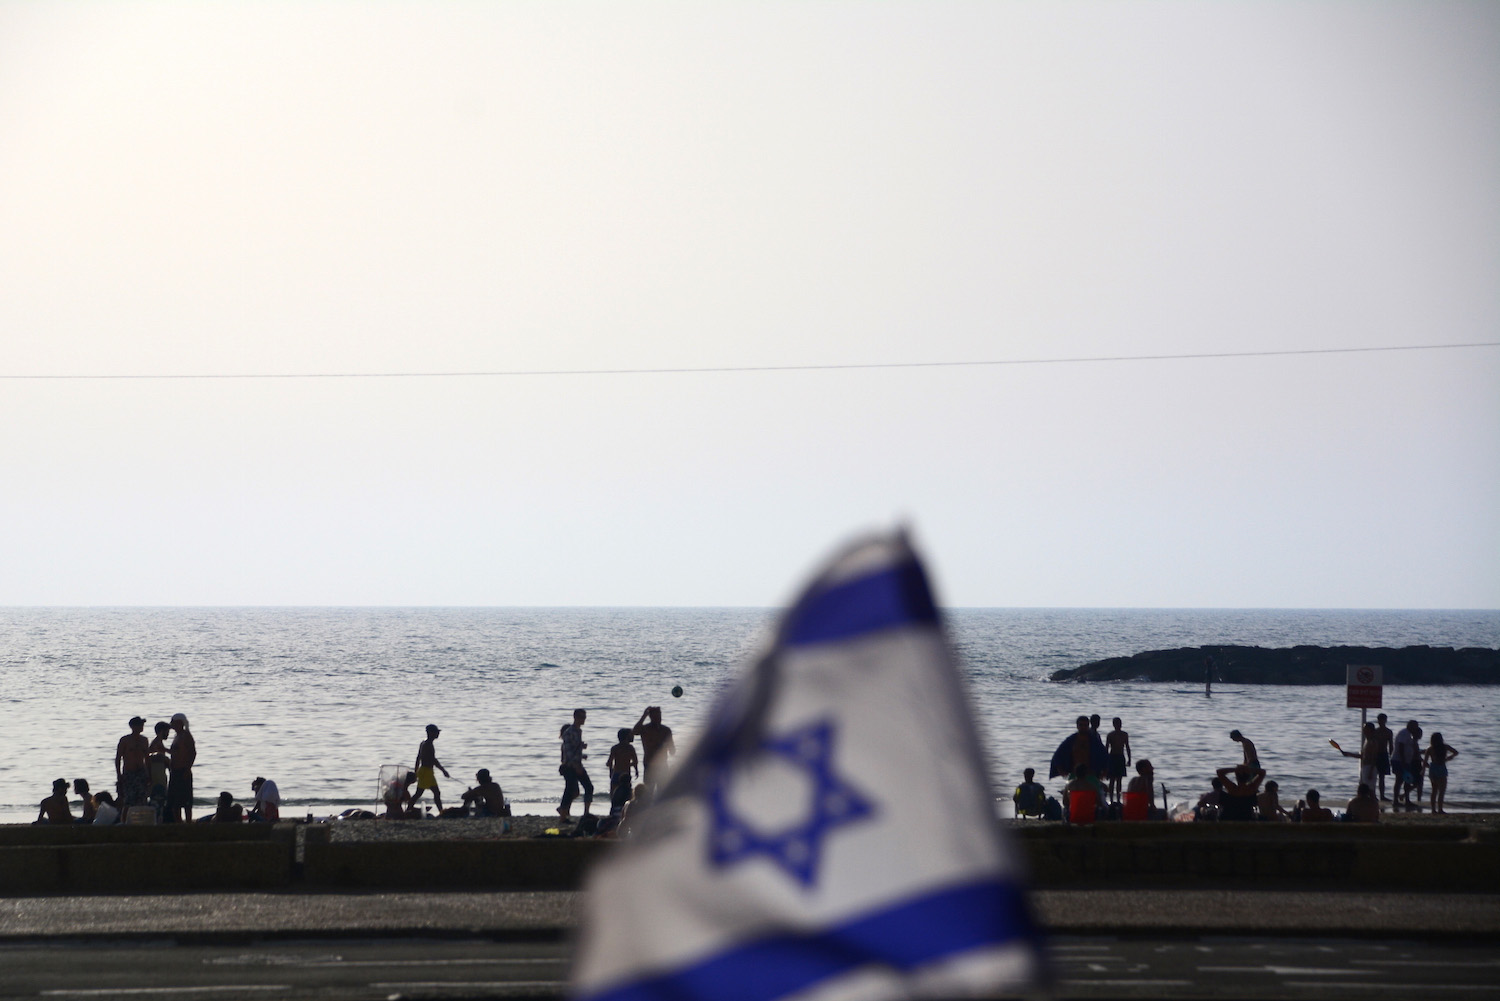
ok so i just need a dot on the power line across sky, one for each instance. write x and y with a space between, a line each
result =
713 369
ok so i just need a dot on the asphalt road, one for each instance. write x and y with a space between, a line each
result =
1084 967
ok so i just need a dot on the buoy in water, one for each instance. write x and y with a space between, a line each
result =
676 691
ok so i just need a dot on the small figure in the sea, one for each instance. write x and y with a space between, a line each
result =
1241 787
180 758
571 769
1437 756
266 806
656 745
1080 748
1364 808
1117 743
397 796
1406 756
1311 811
487 799
1030 796
81 789
1384 737
619 764
1268 804
1210 667
132 774
1248 747
427 766
55 809
156 762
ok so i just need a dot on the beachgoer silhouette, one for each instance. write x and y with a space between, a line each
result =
426 767
1081 748
81 788
1310 811
656 745
1248 747
621 761
487 798
1437 755
1364 808
1384 736
397 796
1406 756
1030 796
132 773
1208 676
1117 743
571 769
55 808
266 806
157 763
1241 787
180 758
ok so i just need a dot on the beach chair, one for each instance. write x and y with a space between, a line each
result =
1082 804
1137 805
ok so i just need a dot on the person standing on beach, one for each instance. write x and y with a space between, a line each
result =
1383 737
571 769
1369 744
1082 748
1208 675
132 774
427 767
1117 743
1405 754
656 745
1248 747
1438 754
180 758
156 763
621 761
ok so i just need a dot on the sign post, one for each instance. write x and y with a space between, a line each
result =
1365 684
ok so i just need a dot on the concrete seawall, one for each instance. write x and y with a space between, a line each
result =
1449 858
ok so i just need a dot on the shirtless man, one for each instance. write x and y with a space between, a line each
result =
1310 811
1364 808
656 744
487 798
1117 743
180 758
1081 745
1248 747
132 775
1269 804
1241 787
54 809
1385 737
1369 747
426 762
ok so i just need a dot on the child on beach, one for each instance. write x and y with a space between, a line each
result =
1117 743
621 761
427 762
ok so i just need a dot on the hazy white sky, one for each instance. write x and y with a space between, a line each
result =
213 188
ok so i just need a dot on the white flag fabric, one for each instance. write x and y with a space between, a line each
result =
832 835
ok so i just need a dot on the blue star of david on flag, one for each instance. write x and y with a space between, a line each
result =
798 849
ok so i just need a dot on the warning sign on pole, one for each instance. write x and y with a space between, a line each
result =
1364 686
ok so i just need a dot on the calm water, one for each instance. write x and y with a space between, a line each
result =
320 698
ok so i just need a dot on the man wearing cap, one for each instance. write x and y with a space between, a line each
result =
180 775
426 762
132 774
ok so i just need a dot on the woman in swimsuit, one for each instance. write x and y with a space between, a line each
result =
1437 755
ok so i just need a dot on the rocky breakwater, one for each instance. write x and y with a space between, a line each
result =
1298 665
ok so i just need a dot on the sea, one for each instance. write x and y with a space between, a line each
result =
318 699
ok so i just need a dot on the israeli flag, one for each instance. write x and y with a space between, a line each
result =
832 835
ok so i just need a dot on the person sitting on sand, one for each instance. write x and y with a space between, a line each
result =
426 767
228 811
81 789
1241 786
487 799
266 806
397 796
1117 744
1269 806
1211 802
1030 796
1144 780
55 809
621 761
1248 747
1364 808
1437 756
1311 811
105 812
1084 780
132 774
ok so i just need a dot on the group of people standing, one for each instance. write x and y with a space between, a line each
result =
623 765
1400 755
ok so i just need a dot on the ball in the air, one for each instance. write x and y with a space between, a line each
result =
676 691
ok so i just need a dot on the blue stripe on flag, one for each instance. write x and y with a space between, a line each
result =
885 599
904 937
